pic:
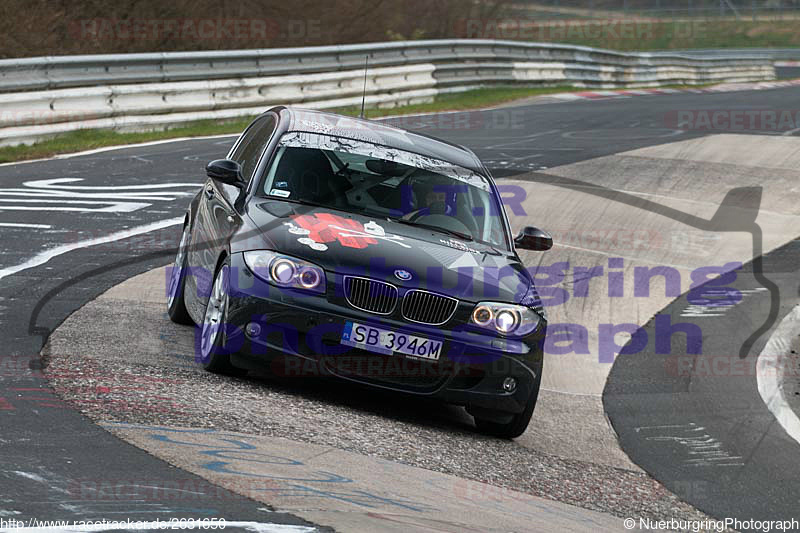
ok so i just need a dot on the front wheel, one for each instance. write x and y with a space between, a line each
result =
213 353
176 305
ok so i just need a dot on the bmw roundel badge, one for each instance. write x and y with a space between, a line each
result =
403 275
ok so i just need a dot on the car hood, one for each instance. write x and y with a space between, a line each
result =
352 244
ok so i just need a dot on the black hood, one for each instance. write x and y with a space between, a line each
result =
348 243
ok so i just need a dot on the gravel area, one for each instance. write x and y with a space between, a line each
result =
123 363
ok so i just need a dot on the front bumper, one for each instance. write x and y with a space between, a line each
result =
301 332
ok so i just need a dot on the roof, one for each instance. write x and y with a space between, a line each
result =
313 121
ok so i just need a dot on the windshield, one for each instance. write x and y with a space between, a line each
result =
375 180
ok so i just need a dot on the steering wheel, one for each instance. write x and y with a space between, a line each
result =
446 222
436 208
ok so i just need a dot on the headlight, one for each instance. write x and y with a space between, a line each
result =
506 319
285 271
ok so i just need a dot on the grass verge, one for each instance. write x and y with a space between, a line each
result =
90 139
632 35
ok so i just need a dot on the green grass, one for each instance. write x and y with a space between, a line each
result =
473 99
89 139
673 35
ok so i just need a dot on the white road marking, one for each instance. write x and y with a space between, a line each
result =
43 257
520 158
701 448
58 183
717 306
525 139
110 207
586 134
623 256
20 225
104 199
45 193
769 373
28 475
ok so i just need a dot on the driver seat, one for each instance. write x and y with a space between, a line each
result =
310 176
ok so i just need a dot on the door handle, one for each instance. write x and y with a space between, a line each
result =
209 192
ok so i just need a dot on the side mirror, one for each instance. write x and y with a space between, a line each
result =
226 171
532 238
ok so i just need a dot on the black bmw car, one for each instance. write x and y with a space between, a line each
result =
335 246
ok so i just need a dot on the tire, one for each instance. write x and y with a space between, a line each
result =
176 305
211 348
513 428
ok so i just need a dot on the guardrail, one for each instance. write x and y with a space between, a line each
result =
775 54
781 57
46 96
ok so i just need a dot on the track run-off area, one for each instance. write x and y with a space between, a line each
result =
651 406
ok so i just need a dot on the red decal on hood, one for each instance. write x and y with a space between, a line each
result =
327 227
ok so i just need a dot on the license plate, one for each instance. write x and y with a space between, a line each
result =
389 342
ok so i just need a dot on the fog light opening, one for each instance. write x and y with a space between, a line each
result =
252 330
509 384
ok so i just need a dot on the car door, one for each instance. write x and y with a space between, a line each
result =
217 215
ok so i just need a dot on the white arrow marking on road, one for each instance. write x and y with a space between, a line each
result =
33 193
55 184
43 257
78 198
111 207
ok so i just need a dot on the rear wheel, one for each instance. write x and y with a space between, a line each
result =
176 306
213 354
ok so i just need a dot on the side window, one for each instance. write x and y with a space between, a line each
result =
252 146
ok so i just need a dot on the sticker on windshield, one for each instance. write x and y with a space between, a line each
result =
328 141
280 192
352 129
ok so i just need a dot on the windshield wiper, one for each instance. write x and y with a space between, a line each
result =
303 202
353 210
460 235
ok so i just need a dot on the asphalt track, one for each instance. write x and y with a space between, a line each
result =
51 444
697 422
784 73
